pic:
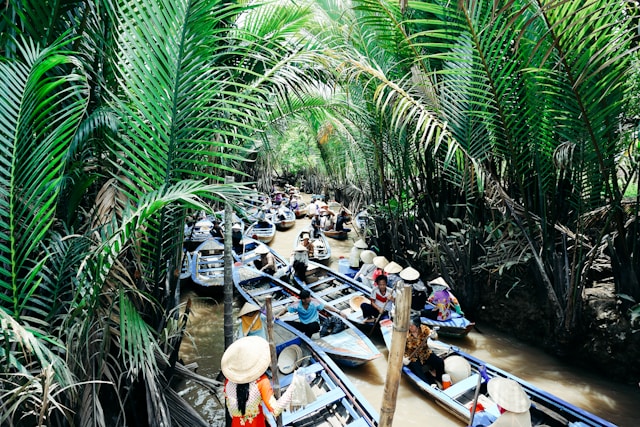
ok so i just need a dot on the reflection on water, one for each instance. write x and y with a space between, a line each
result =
617 403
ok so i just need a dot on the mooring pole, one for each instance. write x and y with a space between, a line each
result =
394 364
228 272
274 356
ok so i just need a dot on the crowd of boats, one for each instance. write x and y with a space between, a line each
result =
348 341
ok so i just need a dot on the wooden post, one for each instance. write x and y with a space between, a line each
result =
274 356
228 271
394 365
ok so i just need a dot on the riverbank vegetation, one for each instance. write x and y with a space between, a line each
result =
493 141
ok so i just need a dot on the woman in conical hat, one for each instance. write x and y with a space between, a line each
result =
247 386
380 262
512 402
365 274
252 322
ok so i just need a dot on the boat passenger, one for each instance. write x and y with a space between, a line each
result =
380 262
312 208
391 271
513 404
244 365
252 322
236 235
443 301
267 262
354 256
411 277
418 357
365 273
300 262
308 310
316 226
379 303
341 220
304 236
216 231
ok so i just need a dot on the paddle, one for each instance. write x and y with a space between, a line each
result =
376 322
475 400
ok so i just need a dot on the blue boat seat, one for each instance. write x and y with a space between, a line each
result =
320 402
265 291
331 290
462 386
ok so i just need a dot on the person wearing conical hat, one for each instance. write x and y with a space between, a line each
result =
252 322
513 405
244 365
300 262
411 277
354 256
365 274
380 262
391 270
442 301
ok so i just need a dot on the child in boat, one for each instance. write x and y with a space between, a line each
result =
512 402
380 301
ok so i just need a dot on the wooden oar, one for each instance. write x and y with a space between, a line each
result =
376 322
475 399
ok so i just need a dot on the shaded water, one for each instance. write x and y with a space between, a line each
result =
617 403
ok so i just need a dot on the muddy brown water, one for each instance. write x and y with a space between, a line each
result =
615 402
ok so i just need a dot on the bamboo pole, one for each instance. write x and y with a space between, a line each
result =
228 266
394 364
274 357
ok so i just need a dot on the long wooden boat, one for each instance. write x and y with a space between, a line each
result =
207 263
362 220
302 210
339 291
185 264
546 409
337 401
348 347
457 327
286 222
247 254
321 246
263 231
338 235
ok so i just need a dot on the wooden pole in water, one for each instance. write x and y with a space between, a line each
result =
394 364
274 356
228 271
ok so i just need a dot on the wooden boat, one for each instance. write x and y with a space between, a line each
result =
338 235
248 256
207 263
337 207
321 247
339 291
546 409
362 219
185 265
457 327
348 347
286 222
337 401
263 230
302 210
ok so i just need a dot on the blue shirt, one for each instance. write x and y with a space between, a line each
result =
308 315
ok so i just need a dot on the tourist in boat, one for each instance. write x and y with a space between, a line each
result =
354 255
380 301
340 222
267 262
308 310
411 277
304 236
252 322
300 262
312 208
244 365
316 226
391 270
216 231
513 404
365 273
418 357
443 301
380 262
236 236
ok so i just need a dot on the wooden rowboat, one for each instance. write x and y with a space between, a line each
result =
337 401
546 409
263 231
321 247
338 235
287 221
348 347
207 264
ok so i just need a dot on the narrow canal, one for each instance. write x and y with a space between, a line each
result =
618 403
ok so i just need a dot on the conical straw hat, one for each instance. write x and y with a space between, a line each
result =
508 394
367 256
439 281
457 367
380 261
361 244
246 359
393 268
410 274
248 308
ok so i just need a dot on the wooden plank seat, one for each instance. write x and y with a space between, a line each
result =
462 386
265 291
320 403
332 289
